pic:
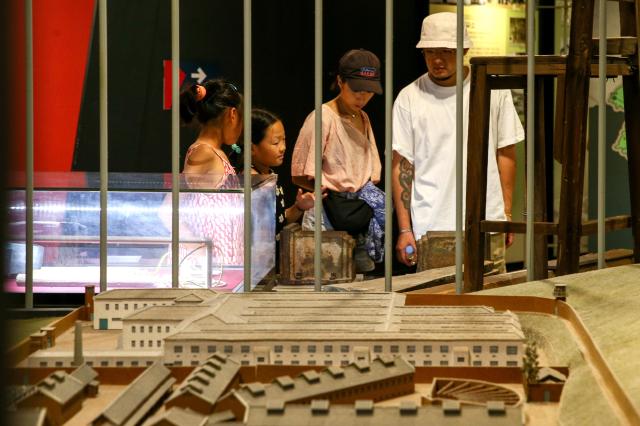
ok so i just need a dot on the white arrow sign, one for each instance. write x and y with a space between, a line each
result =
200 75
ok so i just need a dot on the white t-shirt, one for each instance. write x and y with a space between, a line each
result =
424 132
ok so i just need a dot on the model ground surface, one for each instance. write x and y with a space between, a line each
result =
607 302
557 347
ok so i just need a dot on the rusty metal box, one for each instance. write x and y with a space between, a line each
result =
436 249
297 253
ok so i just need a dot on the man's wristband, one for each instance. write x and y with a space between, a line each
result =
405 230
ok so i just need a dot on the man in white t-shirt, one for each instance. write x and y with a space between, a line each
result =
424 142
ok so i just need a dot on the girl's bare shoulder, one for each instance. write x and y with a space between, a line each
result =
202 158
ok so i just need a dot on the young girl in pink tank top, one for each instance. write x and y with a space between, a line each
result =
216 105
212 216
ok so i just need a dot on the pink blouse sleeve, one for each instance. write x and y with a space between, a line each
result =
303 160
376 165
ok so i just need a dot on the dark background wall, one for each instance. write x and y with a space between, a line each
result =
617 180
139 37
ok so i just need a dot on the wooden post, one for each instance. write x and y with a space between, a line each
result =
574 144
558 128
476 196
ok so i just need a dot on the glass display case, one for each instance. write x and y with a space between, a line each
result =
66 223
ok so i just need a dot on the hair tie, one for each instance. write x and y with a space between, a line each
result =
201 92
236 148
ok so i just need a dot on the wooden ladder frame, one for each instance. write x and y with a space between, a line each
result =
572 73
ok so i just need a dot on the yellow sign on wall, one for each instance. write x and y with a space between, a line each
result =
496 30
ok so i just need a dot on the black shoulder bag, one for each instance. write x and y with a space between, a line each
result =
347 214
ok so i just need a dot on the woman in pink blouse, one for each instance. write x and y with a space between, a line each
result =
350 161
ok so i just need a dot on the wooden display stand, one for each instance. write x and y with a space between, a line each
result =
572 73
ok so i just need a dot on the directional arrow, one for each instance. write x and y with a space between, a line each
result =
200 75
192 73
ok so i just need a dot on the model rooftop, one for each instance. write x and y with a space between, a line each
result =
207 382
176 416
155 294
62 387
363 412
167 313
130 407
311 383
337 316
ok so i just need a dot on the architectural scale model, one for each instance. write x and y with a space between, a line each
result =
265 358
112 306
474 392
214 393
184 417
142 396
184 327
364 412
62 394
206 383
28 416
384 378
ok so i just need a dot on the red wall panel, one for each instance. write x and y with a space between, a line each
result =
61 37
16 136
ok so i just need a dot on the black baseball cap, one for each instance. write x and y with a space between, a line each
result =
361 69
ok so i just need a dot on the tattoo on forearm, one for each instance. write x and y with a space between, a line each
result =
406 180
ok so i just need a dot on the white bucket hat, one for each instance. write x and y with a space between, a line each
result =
439 31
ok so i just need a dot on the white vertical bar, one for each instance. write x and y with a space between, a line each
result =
530 135
28 295
317 261
175 143
104 143
247 145
602 127
459 140
388 108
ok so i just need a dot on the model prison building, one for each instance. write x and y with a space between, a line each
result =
185 327
62 394
384 378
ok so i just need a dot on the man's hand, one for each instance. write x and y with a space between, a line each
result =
509 236
406 239
508 239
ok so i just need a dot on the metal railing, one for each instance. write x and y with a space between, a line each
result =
318 37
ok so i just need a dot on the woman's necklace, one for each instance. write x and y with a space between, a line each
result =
345 111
